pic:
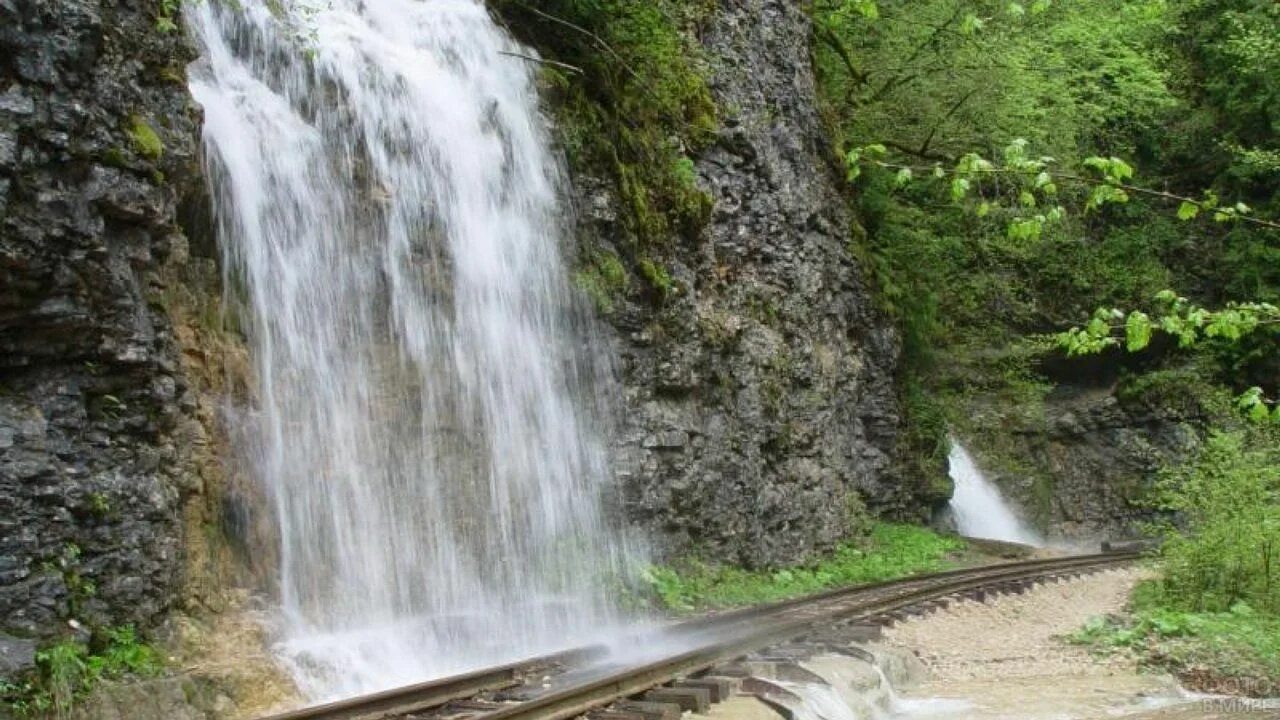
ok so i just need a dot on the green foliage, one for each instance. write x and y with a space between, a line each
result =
68 671
658 277
603 280
640 106
1239 644
166 16
1188 323
145 140
1226 549
888 552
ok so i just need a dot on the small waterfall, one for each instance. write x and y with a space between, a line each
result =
979 509
425 422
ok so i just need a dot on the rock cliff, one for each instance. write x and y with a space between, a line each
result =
760 407
97 143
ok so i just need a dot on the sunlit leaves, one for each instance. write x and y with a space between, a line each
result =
1137 331
971 24
866 8
1181 319
1112 169
1253 404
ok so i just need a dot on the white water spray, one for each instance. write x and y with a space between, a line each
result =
425 423
980 511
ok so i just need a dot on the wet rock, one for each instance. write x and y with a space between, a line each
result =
771 358
89 479
1083 465
16 655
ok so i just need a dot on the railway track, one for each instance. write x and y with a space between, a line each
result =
583 679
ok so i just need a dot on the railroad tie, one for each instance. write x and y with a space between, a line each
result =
651 710
693 699
720 688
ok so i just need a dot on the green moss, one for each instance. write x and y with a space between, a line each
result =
603 280
639 107
145 140
115 157
657 276
888 551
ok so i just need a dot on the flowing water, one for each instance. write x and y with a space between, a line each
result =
979 509
425 422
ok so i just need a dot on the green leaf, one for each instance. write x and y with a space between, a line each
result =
1119 170
1027 199
902 177
853 162
971 24
983 209
959 188
1188 210
1137 331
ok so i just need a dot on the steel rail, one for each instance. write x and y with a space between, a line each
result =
832 605
435 693
573 701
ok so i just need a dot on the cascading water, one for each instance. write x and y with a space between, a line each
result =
979 509
425 423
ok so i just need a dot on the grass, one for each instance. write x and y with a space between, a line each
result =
889 551
68 671
1235 652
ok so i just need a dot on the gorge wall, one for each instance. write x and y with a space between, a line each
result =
103 453
760 406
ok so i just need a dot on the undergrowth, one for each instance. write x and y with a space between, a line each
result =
1236 651
889 551
66 672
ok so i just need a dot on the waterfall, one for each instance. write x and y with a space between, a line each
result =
979 509
425 423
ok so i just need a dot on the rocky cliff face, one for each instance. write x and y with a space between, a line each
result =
97 141
760 406
1082 463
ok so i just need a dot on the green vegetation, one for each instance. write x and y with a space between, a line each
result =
1017 166
889 551
1213 615
602 281
166 15
1226 547
634 113
69 670
145 140
1234 651
994 147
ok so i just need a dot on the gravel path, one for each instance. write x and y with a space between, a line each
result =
1018 635
1006 660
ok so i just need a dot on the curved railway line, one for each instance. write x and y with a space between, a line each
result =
587 679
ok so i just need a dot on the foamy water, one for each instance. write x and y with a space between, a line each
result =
427 420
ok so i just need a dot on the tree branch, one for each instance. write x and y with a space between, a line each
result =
1078 179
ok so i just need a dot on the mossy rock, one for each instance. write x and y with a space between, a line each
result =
146 141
